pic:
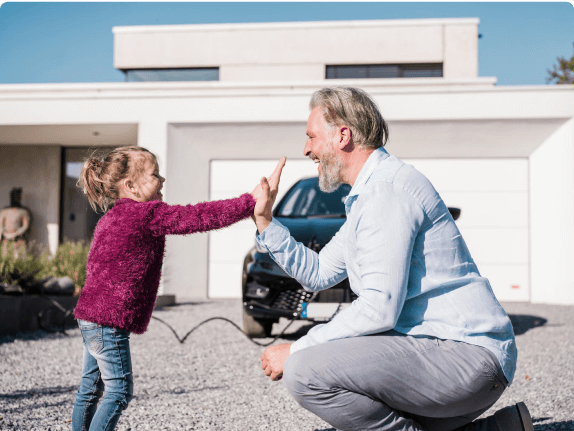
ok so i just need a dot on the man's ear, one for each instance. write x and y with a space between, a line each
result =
345 137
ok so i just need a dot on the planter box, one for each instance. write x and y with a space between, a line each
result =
164 301
20 313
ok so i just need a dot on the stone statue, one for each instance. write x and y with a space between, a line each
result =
14 222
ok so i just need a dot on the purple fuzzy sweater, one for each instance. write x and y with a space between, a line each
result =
124 264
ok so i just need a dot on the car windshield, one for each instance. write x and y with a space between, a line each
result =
306 200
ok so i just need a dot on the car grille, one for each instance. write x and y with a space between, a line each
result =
291 300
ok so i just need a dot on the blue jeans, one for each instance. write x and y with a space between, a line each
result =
107 366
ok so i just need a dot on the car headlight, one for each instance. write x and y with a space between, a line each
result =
260 248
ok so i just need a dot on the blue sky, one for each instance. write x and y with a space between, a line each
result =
73 42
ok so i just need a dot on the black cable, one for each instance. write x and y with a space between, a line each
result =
182 340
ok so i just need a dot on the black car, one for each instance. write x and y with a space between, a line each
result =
313 217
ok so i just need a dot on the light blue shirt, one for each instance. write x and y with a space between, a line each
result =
407 262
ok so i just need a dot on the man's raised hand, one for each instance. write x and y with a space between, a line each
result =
265 194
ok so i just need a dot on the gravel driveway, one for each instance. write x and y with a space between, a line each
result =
214 382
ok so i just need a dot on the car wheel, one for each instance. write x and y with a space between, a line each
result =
255 328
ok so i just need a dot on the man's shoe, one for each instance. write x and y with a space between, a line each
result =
514 418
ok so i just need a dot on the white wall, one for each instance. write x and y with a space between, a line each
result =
552 213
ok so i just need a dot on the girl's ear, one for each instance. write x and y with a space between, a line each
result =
129 187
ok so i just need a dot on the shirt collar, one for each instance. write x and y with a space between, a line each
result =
367 170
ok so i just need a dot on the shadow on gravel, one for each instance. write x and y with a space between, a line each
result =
38 392
520 322
523 323
565 425
37 335
17 396
43 405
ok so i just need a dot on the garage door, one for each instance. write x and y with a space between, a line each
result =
493 197
228 247
492 194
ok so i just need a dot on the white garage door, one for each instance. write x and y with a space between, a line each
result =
228 247
492 194
493 197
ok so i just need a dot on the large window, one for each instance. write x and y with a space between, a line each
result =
195 74
350 71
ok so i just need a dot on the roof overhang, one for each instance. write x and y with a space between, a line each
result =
427 118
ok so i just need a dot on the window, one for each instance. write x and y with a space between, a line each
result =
306 200
344 71
195 74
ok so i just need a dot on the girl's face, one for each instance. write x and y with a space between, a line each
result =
150 183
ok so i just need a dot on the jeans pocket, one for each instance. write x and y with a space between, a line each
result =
92 335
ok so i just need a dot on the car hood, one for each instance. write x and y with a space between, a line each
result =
312 231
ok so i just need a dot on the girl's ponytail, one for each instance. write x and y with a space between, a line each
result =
100 175
91 183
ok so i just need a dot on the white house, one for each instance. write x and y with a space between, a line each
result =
237 100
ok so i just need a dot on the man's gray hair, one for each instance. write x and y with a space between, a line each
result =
356 109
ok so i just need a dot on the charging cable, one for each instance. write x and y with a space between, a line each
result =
184 338
296 315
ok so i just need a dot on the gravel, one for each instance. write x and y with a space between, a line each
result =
214 382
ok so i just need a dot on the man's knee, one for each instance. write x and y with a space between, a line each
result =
304 376
295 375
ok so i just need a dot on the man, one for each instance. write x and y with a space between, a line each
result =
426 345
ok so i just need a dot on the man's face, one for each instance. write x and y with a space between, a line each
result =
320 147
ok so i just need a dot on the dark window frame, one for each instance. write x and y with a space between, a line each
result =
404 70
165 69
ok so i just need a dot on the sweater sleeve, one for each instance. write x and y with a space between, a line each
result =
202 217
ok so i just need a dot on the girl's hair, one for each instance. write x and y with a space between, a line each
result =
101 174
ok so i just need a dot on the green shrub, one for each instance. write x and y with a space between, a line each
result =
27 267
20 266
70 260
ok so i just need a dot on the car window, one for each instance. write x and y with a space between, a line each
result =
307 200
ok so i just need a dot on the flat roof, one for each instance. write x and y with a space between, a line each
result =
293 25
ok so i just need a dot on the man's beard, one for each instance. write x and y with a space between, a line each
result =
331 166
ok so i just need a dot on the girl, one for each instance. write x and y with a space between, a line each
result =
123 270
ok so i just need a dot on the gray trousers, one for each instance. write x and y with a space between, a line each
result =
392 381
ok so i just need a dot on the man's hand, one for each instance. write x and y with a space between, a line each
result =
265 194
273 358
